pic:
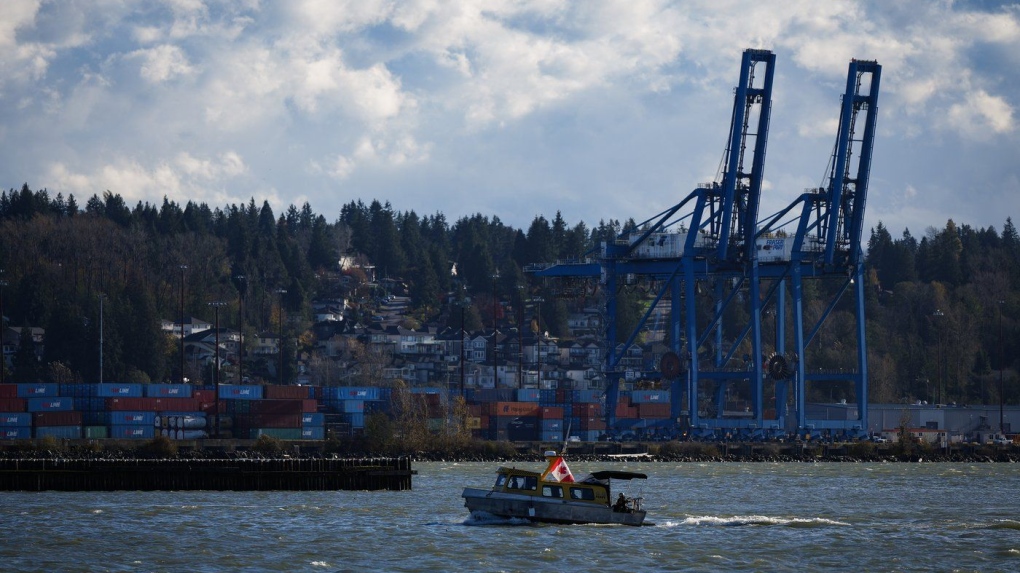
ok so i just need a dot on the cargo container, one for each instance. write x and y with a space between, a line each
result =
551 413
128 418
132 432
62 432
313 433
58 418
89 403
551 436
356 419
96 432
352 406
15 419
169 391
279 407
649 397
528 395
16 433
552 425
119 390
288 392
514 409
12 404
353 393
204 394
8 391
653 410
587 396
312 419
60 404
38 390
278 433
240 392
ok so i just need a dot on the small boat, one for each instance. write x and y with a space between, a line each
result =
553 496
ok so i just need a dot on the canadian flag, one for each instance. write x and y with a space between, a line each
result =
559 471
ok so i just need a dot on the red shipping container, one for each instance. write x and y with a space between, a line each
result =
12 404
204 395
593 424
277 420
551 413
653 411
309 406
474 410
56 419
277 407
623 411
139 404
585 410
8 391
177 404
285 392
514 409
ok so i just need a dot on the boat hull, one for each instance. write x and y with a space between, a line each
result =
545 510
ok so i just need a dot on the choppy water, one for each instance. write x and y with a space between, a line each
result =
709 517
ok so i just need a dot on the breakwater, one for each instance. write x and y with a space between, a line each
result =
309 474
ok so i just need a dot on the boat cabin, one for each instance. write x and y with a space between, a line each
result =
513 480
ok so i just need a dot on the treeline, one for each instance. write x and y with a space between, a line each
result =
934 304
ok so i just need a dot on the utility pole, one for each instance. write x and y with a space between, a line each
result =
216 366
240 327
281 292
183 268
101 297
1002 366
938 314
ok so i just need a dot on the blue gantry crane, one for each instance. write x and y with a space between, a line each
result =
709 237
826 243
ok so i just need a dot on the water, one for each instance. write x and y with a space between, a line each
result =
709 517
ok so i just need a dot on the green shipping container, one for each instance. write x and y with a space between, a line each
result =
278 433
96 432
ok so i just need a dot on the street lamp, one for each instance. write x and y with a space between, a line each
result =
240 328
183 268
520 336
281 292
1002 417
216 365
938 314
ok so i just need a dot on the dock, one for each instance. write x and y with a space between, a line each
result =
310 474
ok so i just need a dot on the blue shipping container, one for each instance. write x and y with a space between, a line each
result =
16 433
240 392
70 432
132 432
552 425
353 393
649 397
551 436
168 390
132 418
313 433
38 390
528 395
119 390
50 404
352 406
356 420
316 419
15 419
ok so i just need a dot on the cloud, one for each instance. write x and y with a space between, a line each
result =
981 115
162 63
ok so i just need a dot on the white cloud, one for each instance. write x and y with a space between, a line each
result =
162 63
981 115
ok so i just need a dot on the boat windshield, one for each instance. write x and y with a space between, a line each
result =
500 480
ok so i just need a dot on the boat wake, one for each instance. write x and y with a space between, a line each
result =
749 520
484 518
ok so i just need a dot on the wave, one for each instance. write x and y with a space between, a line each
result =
1004 524
483 518
746 520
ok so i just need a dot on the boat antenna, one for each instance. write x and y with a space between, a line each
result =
566 437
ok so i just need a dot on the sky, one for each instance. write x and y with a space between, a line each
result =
598 109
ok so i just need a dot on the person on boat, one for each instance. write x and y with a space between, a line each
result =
621 504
